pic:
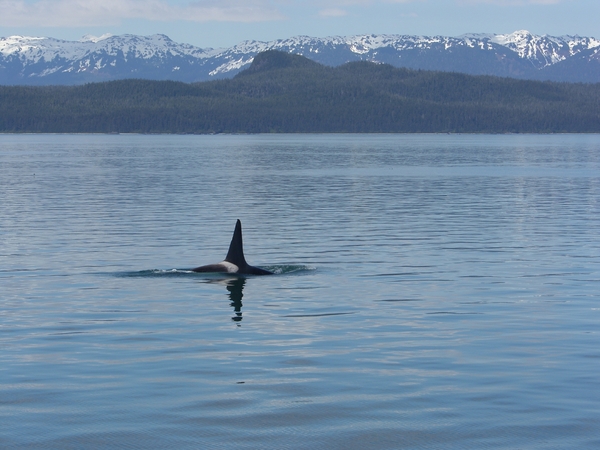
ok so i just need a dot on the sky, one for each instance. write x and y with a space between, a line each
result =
223 23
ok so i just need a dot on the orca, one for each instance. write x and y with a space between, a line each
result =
234 261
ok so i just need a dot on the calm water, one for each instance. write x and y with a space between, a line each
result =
433 292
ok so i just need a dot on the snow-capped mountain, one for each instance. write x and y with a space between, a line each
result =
30 60
34 60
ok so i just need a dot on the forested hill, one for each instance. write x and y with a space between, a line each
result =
281 92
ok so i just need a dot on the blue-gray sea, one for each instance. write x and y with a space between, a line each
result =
431 292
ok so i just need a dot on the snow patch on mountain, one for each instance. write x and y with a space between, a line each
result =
94 39
42 48
233 64
544 50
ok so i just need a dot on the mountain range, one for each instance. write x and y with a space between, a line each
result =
49 61
284 93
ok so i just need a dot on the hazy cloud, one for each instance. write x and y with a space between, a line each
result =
341 3
84 13
333 12
511 2
99 13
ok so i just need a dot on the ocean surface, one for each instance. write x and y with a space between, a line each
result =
431 292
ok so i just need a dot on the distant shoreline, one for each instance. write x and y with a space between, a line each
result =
28 133
283 93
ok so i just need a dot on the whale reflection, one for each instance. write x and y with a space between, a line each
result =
235 288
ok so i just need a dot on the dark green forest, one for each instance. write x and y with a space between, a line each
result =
289 93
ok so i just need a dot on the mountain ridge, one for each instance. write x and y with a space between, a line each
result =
44 61
286 93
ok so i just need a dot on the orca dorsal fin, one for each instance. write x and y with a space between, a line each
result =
235 255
